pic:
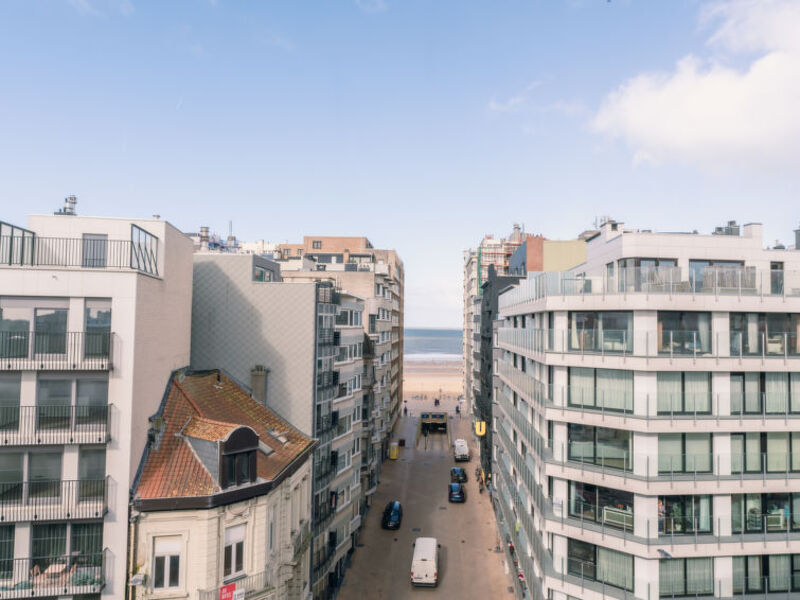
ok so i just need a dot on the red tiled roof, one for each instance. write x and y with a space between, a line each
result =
209 406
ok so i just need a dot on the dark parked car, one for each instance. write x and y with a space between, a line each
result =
392 515
457 493
458 475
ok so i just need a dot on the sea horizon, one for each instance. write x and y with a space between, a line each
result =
432 344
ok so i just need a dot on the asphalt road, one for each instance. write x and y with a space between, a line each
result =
469 565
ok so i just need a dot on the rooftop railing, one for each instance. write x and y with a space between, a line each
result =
714 281
77 350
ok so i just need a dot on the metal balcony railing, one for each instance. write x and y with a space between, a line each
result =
34 425
300 539
253 585
77 350
53 575
45 500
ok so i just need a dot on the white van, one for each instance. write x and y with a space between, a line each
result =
425 564
461 450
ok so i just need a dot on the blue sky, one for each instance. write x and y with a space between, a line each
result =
422 124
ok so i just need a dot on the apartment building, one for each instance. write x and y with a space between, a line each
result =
647 430
249 321
94 316
222 500
377 276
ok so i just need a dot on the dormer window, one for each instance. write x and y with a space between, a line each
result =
238 460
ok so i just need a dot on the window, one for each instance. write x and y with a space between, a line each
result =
98 328
684 393
271 541
646 274
596 563
238 464
6 551
92 473
261 274
233 561
774 452
600 445
86 541
607 389
15 327
166 562
601 331
50 330
766 573
94 250
684 453
316 245
684 332
48 544
603 505
44 474
686 577
756 334
765 393
708 275
9 399
755 513
684 514
54 401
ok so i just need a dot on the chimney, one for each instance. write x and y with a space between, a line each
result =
258 384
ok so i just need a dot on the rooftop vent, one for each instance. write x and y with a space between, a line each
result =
730 229
69 206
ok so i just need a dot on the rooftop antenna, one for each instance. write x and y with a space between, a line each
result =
69 206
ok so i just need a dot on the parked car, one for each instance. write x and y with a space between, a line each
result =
457 493
458 475
392 515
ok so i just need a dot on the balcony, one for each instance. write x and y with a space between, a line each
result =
64 576
22 248
53 500
300 539
78 350
259 585
40 425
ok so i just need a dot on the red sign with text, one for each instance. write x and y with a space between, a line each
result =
226 591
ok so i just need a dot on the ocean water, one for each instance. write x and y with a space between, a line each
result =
432 344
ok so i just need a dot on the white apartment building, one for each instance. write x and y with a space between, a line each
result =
648 419
94 316
222 501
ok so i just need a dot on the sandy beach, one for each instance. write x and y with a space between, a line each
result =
433 378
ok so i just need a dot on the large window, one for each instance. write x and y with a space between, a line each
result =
765 393
606 389
601 504
764 333
766 573
684 453
684 514
48 544
722 275
756 452
647 274
92 472
6 551
50 330
233 560
98 328
44 474
166 562
684 332
686 577
601 332
15 327
596 563
601 446
9 399
755 513
55 401
684 393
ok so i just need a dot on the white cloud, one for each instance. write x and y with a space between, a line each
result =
515 102
709 113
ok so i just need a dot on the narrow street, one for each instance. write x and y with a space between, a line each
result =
469 566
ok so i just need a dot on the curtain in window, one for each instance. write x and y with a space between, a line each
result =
777 451
704 332
794 392
738 574
699 576
752 393
698 452
615 568
752 340
615 389
697 392
795 449
670 577
776 392
581 392
702 516
669 392
669 452
779 572
752 452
